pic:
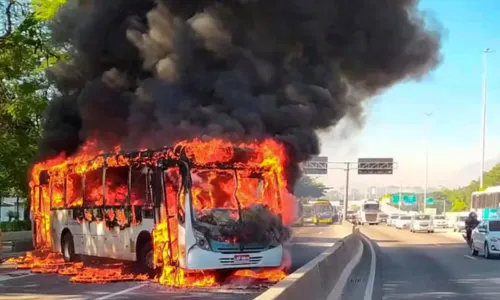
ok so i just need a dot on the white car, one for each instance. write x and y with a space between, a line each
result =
421 223
439 222
391 221
403 222
486 238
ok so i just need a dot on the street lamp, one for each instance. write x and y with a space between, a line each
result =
427 125
483 123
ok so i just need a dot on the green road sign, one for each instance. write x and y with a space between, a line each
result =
429 200
410 199
395 199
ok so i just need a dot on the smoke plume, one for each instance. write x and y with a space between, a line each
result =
147 73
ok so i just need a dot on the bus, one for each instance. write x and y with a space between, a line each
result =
486 203
324 212
173 206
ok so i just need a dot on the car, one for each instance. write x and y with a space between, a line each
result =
403 222
439 222
486 238
391 221
421 223
459 224
383 218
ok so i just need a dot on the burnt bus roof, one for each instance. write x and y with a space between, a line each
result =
171 156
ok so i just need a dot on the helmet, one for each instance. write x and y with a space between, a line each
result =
472 215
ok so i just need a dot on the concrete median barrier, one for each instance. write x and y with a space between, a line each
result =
321 278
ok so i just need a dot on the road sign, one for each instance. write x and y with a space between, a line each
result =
395 199
409 199
429 200
316 166
371 166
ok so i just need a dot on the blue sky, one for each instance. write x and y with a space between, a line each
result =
395 125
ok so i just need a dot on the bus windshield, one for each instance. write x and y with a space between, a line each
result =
213 193
307 211
371 206
322 208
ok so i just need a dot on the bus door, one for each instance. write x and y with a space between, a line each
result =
169 210
41 213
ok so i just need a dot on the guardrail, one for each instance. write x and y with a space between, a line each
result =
320 278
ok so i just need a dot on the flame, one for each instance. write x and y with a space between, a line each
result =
212 188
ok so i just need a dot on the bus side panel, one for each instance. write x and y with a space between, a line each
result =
125 243
58 221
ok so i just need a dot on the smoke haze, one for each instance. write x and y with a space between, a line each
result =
147 74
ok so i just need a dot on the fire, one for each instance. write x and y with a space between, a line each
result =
212 188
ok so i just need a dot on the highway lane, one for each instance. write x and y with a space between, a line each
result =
307 243
425 266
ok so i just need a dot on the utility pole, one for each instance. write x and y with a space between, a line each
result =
347 169
483 123
428 115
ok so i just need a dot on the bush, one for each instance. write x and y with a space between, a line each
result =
15 225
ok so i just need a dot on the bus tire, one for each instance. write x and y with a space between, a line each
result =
146 257
68 247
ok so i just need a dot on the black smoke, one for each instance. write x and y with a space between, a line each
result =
147 73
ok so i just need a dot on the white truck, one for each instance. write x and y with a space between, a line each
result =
369 213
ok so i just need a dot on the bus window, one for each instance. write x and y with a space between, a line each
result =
57 192
93 189
74 191
250 189
116 192
139 188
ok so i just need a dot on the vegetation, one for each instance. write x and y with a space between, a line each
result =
308 187
25 52
15 225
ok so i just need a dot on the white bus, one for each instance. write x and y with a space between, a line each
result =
109 206
486 203
369 213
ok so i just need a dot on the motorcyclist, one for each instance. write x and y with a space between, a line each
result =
470 223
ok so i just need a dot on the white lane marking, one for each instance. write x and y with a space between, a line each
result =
5 278
336 293
373 269
469 257
121 292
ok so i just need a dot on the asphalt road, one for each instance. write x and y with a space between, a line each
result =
423 266
307 243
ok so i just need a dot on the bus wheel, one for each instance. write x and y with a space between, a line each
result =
68 247
146 257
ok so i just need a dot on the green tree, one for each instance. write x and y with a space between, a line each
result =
25 51
308 187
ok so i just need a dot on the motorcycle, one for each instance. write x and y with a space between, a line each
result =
468 240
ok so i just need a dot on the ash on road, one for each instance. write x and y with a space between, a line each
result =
307 243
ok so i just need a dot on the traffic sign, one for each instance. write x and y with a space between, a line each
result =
316 166
429 200
371 166
395 199
409 199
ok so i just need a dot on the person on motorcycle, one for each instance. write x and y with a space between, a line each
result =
470 223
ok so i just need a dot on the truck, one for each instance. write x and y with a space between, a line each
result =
369 213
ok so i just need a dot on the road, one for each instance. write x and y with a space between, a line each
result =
423 266
307 243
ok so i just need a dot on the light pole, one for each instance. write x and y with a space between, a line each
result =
427 115
483 123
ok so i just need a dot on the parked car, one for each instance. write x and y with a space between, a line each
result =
403 222
486 238
421 223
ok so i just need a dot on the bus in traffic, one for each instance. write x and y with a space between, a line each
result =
486 203
173 206
324 212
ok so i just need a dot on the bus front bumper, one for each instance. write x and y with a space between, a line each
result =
200 259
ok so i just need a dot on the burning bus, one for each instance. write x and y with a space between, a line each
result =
198 205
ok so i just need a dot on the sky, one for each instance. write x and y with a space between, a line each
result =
396 124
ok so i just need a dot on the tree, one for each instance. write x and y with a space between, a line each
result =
24 89
308 187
